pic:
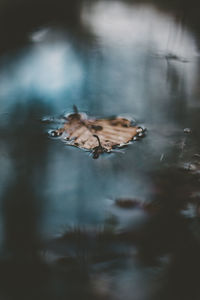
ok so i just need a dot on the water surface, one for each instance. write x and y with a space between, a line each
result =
131 59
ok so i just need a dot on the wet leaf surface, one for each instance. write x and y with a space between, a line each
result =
97 135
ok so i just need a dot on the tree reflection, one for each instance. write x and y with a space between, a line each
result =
22 203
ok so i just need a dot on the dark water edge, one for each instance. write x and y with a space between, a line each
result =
125 225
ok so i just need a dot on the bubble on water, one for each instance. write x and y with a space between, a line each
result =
141 134
53 133
139 130
187 130
65 135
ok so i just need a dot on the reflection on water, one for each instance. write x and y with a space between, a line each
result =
56 200
48 70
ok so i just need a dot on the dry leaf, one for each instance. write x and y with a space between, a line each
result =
97 135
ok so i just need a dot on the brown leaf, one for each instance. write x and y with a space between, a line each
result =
97 135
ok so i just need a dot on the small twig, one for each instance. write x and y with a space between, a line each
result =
98 149
96 136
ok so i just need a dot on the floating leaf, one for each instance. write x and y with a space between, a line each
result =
97 135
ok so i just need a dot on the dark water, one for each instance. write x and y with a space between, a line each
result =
62 234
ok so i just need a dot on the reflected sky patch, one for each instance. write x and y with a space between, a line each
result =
127 25
44 70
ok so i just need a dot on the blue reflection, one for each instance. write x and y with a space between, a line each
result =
51 71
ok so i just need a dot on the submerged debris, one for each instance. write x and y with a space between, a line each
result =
127 203
97 135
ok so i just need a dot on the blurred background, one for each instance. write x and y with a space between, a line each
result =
124 226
